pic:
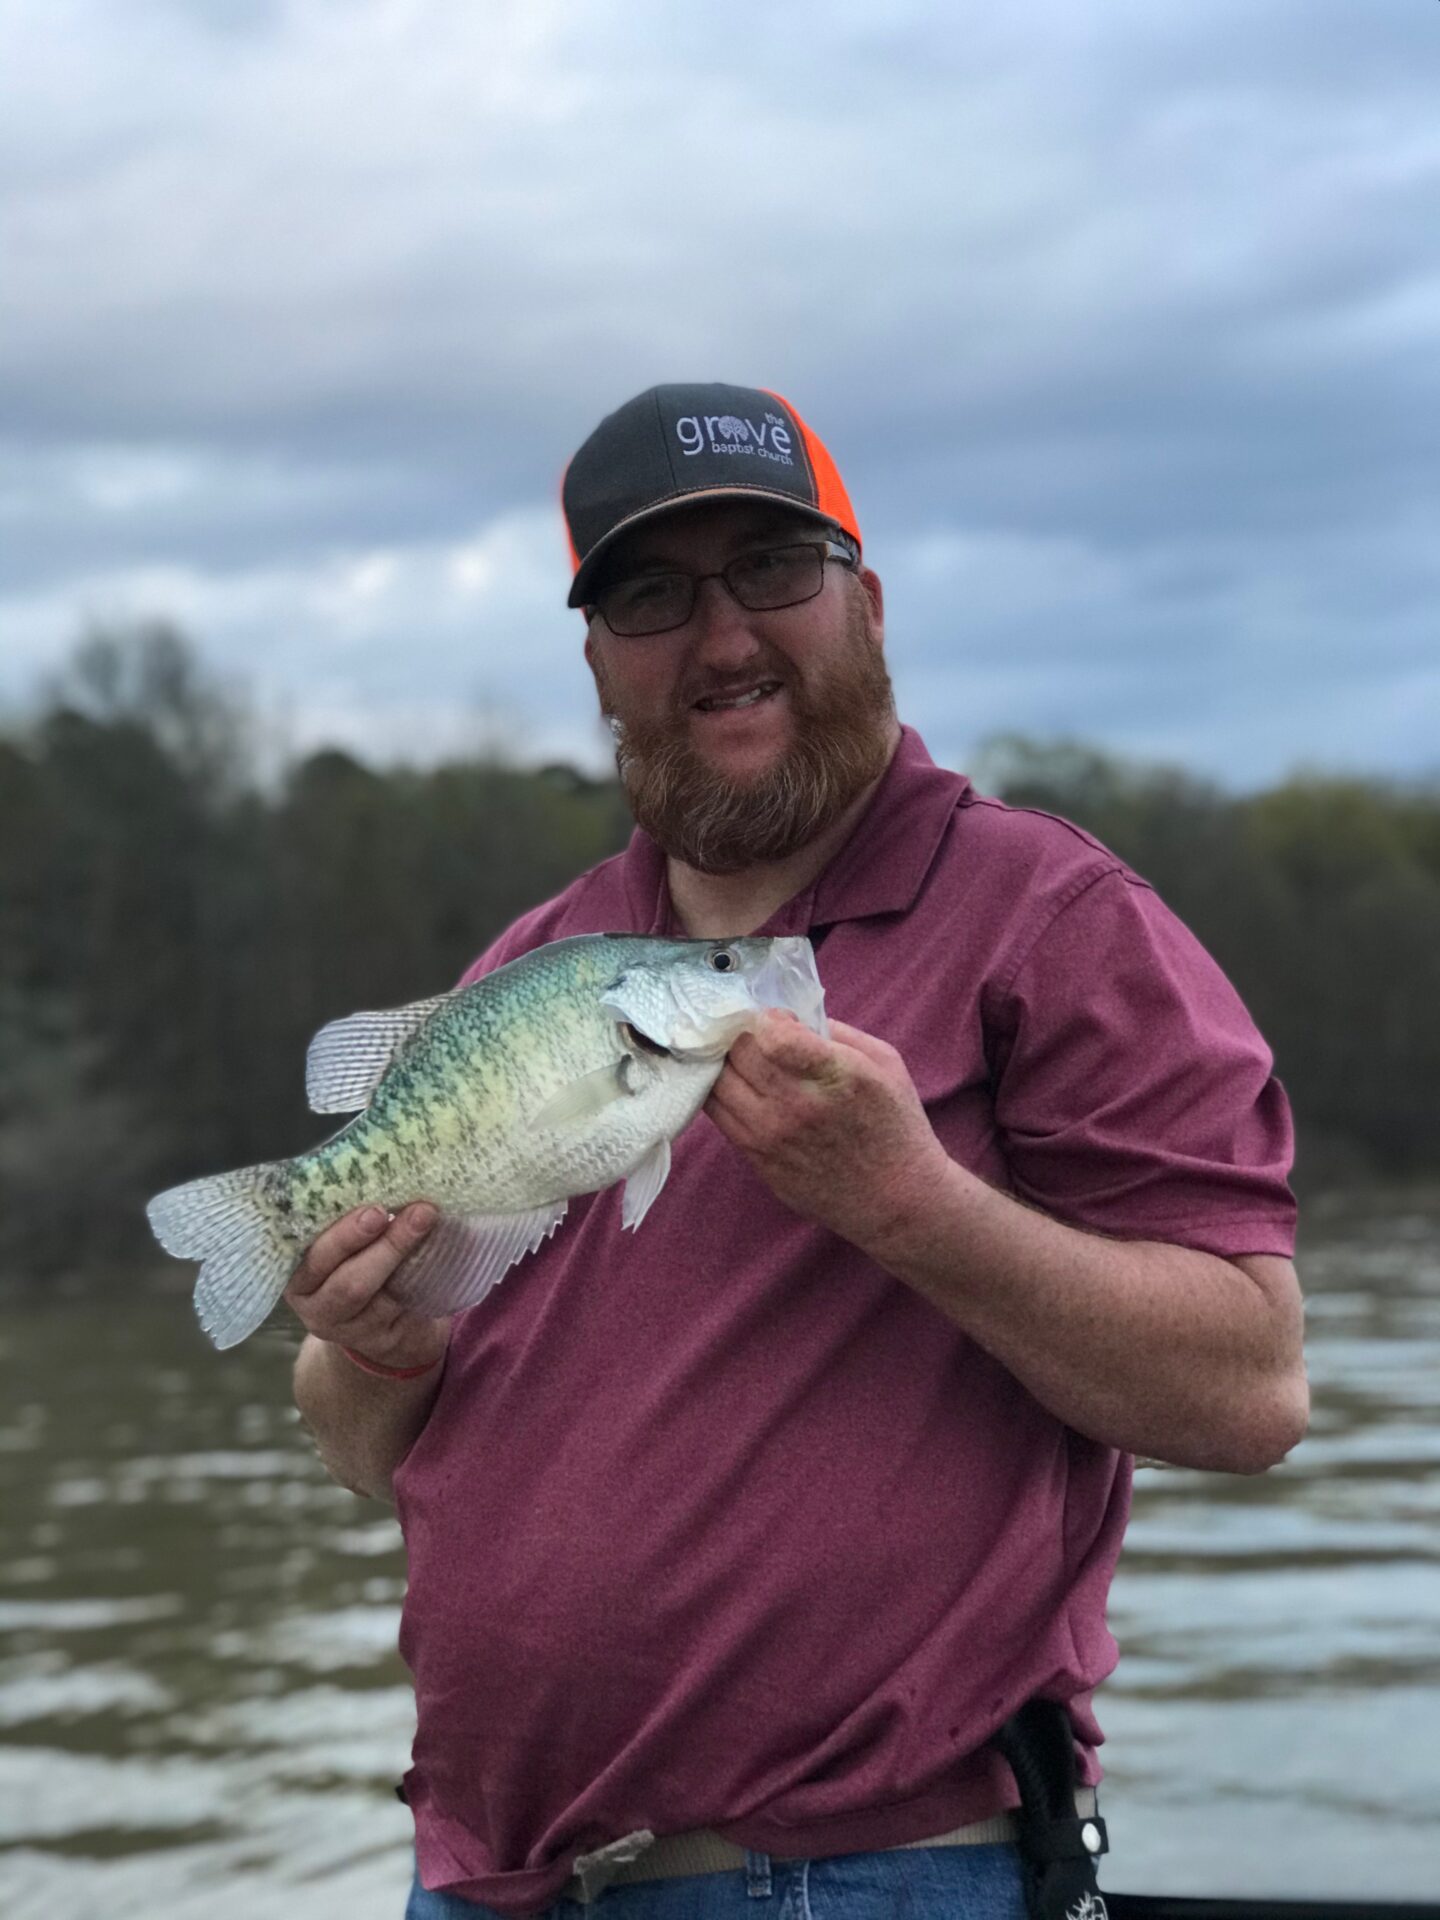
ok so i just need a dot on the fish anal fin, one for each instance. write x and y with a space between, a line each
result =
465 1255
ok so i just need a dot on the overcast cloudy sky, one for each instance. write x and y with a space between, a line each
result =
1121 320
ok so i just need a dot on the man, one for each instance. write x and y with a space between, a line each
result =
749 1531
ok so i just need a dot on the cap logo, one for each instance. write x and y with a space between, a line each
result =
767 439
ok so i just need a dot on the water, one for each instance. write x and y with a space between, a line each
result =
1275 1722
202 1713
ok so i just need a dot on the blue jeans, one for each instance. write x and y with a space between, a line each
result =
920 1883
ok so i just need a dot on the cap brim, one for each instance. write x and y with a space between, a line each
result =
584 581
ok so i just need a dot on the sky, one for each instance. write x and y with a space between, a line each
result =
1120 320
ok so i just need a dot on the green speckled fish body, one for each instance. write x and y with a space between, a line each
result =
562 1073
455 1117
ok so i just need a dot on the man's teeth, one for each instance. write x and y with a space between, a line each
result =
716 705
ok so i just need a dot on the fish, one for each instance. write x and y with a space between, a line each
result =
564 1072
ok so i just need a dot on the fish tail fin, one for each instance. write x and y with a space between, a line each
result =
228 1223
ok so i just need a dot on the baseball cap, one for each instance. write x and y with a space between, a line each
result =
674 444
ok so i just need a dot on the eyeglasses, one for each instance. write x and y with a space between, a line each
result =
760 582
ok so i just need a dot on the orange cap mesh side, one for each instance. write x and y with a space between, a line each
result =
565 522
830 496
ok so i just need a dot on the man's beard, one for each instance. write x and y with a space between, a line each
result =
843 734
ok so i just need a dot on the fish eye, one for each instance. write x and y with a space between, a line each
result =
723 960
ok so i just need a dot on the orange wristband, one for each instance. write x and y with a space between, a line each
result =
389 1373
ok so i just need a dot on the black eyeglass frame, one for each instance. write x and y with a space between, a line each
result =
826 549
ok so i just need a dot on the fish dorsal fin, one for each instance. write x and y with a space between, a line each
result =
465 1255
348 1057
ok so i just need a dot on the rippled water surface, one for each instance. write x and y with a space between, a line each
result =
202 1713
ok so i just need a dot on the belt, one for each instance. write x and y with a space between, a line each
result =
640 1856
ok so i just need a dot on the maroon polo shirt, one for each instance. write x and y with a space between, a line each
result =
717 1524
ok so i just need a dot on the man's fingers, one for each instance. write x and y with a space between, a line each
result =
348 1236
372 1327
780 1041
351 1261
735 1107
862 1042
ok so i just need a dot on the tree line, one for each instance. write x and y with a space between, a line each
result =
175 925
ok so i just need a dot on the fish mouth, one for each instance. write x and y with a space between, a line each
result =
732 701
790 980
642 1042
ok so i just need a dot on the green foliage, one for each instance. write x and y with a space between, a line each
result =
73 1152
1320 898
173 931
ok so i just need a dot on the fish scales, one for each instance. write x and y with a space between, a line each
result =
561 1073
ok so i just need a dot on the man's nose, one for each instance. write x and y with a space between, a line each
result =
722 630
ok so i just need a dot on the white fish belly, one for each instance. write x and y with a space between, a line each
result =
539 1164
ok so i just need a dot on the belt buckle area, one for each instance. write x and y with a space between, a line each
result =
591 1873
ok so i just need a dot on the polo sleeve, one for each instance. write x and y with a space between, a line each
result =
1133 1094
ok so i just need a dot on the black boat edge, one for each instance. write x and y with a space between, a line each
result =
1160 1906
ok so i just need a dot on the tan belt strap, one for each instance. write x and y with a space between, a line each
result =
675 1855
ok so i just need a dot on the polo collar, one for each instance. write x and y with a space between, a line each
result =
880 869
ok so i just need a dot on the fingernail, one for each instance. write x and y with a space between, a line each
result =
423 1218
373 1219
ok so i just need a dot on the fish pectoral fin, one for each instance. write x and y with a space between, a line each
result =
347 1059
643 1184
466 1254
582 1099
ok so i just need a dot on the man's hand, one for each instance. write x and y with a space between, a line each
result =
834 1127
338 1291
1156 1349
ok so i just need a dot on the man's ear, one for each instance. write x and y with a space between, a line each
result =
597 672
875 594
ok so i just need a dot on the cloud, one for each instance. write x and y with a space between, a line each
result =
408 651
1130 312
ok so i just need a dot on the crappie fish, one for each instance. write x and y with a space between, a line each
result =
569 1069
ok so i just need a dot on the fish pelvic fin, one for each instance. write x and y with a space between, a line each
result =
643 1184
228 1224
